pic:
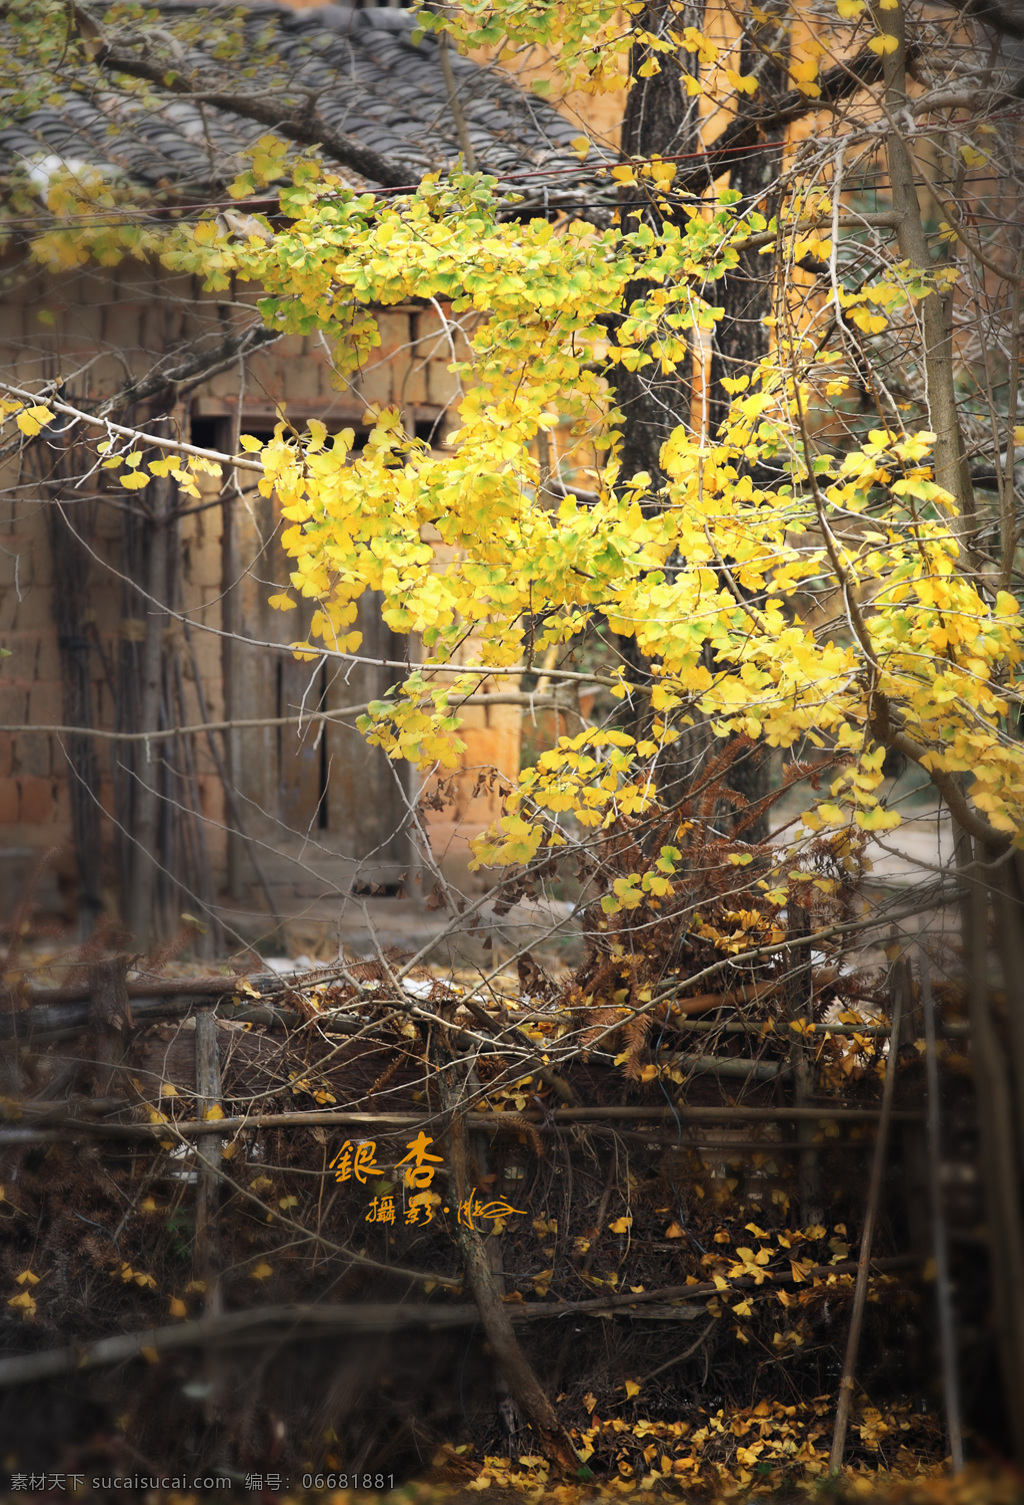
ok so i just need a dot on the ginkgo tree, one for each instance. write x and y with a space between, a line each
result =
708 572
800 523
924 656
768 485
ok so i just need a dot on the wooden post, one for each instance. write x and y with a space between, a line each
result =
999 1167
508 1413
206 1263
525 1389
1009 934
206 1250
802 1067
229 608
943 1286
237 824
110 1015
141 899
860 1294
913 1136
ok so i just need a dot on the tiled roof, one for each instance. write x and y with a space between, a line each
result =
367 76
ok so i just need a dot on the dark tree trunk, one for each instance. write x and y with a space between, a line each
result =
660 118
741 338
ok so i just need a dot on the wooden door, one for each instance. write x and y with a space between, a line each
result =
303 805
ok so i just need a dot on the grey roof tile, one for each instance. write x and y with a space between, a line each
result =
371 81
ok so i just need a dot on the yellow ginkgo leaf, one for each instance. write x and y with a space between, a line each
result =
262 1271
214 1111
621 1225
31 420
26 1278
632 1388
176 1307
744 83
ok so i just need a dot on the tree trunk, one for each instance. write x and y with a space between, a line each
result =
936 310
745 295
659 118
741 337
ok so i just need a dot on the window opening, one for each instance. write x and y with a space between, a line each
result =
207 433
429 430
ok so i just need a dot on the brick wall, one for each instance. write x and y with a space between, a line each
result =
107 325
